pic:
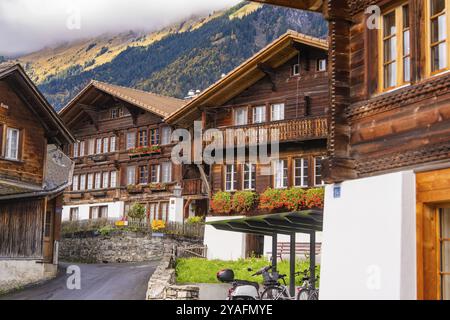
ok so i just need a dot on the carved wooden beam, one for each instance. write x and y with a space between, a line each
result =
92 112
134 112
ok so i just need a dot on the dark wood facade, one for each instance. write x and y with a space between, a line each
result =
135 147
30 195
291 72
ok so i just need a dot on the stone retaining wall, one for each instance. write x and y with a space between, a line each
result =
126 247
161 285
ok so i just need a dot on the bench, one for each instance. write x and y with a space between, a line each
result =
301 248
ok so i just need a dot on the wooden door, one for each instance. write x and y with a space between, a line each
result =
48 238
254 245
433 235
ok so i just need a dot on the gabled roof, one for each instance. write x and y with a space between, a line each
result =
157 104
248 73
311 5
33 98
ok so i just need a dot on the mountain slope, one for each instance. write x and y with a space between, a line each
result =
190 55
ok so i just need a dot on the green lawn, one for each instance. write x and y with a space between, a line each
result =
196 270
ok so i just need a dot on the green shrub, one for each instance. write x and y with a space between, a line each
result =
106 230
244 201
195 220
221 203
137 211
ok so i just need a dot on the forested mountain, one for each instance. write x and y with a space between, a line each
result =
190 55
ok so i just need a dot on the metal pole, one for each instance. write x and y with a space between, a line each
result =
312 258
274 252
292 266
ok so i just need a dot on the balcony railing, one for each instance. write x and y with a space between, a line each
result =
192 187
284 131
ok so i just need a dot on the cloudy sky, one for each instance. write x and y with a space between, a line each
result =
28 25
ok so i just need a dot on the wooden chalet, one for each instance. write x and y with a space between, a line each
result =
283 87
122 154
33 176
390 113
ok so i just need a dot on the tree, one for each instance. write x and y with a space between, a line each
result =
137 211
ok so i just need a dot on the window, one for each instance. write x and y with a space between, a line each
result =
73 214
301 172
98 180
82 147
166 172
131 140
277 112
240 116
98 150
12 144
91 147
444 239
249 173
280 174
321 64
437 15
154 173
113 179
143 138
75 149
105 180
48 223
90 181
153 209
112 144
166 133
395 48
318 171
154 136
230 177
82 182
259 114
131 175
75 183
164 211
98 212
143 174
114 113
296 69
105 145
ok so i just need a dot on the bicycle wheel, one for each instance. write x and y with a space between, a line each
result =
314 294
274 293
303 294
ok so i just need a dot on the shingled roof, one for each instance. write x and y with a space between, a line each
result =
155 103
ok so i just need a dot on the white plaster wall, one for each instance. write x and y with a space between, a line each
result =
299 238
224 245
369 243
115 210
176 209
17 273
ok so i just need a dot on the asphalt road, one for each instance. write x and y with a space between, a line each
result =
125 281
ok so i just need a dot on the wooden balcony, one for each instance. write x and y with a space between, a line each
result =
192 187
286 131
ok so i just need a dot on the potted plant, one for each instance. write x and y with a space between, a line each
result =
315 198
272 200
132 188
244 201
221 203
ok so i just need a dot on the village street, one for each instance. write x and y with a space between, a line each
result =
125 281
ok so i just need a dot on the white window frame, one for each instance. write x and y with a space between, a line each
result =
296 69
244 114
90 181
157 167
262 117
82 148
315 171
166 133
280 181
98 145
105 180
230 174
251 176
75 182
322 65
76 147
302 176
105 145
131 175
113 179
166 172
91 146
277 112
131 140
82 182
112 144
98 181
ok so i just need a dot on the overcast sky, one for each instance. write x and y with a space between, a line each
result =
28 25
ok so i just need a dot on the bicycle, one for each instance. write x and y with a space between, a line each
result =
307 291
273 290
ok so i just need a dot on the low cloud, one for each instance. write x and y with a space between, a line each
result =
28 25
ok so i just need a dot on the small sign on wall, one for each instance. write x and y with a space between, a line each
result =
337 191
